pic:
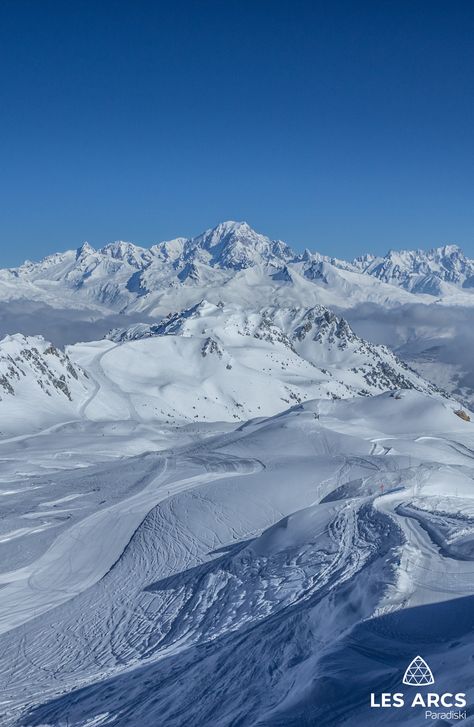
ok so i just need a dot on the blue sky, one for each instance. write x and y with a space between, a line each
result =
340 126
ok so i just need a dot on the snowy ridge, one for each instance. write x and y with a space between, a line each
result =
421 271
38 382
209 362
123 276
259 360
206 363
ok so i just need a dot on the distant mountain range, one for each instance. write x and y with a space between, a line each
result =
124 276
239 307
421 271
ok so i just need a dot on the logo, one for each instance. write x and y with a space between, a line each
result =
418 673
448 705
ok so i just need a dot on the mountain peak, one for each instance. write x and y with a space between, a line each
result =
236 245
448 251
421 271
84 249
119 248
134 255
234 226
226 231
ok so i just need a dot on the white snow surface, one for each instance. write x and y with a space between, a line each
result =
142 583
233 509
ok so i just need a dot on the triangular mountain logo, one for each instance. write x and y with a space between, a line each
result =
418 673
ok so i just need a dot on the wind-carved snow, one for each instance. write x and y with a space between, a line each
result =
260 549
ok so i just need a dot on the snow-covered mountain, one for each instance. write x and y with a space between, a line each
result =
230 245
39 384
119 273
206 363
314 352
419 271
233 508
123 276
386 299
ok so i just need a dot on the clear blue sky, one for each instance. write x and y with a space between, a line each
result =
341 126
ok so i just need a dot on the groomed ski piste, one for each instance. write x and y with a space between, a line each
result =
268 572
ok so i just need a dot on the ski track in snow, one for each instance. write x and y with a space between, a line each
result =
270 543
78 558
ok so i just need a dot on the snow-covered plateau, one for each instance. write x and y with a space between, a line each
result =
237 485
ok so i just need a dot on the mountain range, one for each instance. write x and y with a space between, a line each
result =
209 362
127 277
236 484
416 303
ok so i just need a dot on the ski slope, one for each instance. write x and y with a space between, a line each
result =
241 562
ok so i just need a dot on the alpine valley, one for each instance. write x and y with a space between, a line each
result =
237 484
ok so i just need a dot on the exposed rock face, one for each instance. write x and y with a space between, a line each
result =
32 360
